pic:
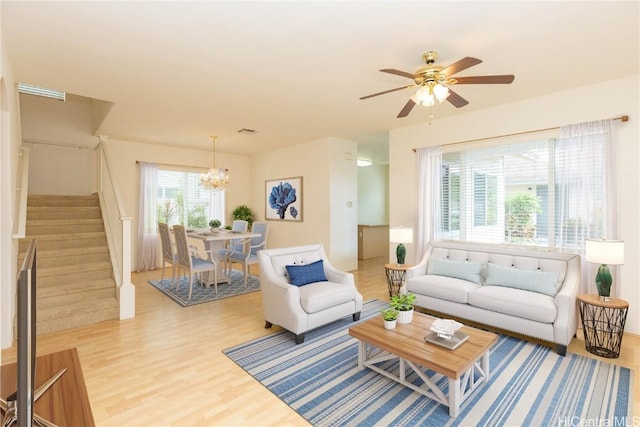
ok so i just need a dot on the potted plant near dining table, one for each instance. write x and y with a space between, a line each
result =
403 304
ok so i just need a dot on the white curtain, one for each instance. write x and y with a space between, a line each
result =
217 205
585 176
429 167
147 258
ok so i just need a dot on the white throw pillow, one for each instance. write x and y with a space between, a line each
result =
543 282
465 270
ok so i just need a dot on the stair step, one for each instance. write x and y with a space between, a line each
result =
59 257
61 200
75 315
64 274
70 269
45 213
64 226
48 313
65 241
71 293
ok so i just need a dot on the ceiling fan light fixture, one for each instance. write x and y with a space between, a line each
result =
441 92
432 82
424 96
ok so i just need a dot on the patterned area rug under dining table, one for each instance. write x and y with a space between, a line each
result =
530 384
201 294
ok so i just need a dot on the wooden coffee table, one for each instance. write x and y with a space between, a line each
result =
466 366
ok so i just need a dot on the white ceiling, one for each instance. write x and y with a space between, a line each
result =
180 71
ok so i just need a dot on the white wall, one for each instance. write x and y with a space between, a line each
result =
314 161
60 170
373 195
41 118
343 198
9 149
124 154
607 99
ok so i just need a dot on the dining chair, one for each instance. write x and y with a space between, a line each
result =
249 254
232 245
168 255
190 263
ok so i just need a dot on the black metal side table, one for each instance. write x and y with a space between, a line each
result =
603 324
395 277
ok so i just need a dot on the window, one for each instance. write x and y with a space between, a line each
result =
450 198
182 200
510 193
485 202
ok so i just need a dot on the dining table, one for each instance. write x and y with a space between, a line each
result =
214 241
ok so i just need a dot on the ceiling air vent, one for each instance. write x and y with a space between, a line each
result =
247 131
41 91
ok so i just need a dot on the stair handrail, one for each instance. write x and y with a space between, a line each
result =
118 230
22 190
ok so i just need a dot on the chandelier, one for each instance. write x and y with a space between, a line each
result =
215 179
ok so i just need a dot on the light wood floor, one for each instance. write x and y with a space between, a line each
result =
165 366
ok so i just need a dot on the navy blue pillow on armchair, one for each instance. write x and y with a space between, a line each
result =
303 274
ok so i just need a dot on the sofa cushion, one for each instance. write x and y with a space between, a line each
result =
465 270
515 302
443 287
303 274
319 296
544 282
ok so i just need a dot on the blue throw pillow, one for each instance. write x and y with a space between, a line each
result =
304 274
543 282
465 270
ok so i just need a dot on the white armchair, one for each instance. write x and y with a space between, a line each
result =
302 308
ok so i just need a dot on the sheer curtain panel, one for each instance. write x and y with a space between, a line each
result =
147 254
585 178
429 167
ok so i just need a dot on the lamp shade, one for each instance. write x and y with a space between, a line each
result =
608 252
401 235
424 97
441 92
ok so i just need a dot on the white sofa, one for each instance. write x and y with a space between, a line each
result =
529 292
304 307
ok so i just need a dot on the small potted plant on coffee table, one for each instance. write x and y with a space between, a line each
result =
390 316
404 305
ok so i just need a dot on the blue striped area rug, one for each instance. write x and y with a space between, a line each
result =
529 384
201 294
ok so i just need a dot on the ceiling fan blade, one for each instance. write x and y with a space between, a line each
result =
460 65
397 72
456 100
386 91
406 109
501 79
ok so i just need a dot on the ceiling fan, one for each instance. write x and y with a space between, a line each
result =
433 82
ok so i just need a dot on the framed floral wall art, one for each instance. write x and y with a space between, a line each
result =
284 199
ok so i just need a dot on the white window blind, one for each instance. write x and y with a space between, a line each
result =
182 200
509 193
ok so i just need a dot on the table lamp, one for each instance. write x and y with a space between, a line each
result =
605 253
400 235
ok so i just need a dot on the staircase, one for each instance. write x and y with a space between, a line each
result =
75 276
